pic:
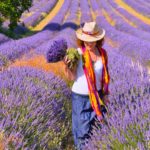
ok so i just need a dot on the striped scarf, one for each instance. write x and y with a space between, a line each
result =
95 100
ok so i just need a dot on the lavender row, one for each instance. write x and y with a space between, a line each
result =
129 76
44 38
14 49
55 23
39 14
4 38
128 44
121 25
33 14
51 28
144 3
34 109
73 11
70 24
129 122
67 27
137 21
85 11
147 1
38 6
17 48
138 7
11 50
94 5
132 45
71 41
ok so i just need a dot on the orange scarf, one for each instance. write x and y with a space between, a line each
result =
95 100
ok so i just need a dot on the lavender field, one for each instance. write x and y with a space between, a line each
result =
35 95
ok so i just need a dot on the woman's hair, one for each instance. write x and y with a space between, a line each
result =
99 43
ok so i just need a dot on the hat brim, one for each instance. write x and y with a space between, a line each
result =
89 38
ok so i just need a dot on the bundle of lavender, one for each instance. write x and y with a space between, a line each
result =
56 50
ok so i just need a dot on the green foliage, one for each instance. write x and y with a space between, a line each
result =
9 33
73 55
12 10
132 136
13 35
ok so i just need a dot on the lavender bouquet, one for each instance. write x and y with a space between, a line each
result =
57 51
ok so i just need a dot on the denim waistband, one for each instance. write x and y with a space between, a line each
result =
86 95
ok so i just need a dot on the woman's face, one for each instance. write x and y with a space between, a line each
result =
90 45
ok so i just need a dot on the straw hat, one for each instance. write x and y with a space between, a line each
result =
90 32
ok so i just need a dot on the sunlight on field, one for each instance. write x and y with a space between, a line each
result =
108 18
92 12
93 15
111 42
43 14
40 62
29 14
66 16
25 14
78 17
49 17
125 19
133 12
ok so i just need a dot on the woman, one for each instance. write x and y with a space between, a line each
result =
91 79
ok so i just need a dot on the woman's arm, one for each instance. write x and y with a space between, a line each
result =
70 73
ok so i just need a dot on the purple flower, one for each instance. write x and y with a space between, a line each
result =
34 108
57 50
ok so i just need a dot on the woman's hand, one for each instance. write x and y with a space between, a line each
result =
66 60
70 72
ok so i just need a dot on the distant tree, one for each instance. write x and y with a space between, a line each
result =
12 10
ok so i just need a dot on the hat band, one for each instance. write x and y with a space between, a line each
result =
90 33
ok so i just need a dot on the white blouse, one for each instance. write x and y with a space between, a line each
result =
80 85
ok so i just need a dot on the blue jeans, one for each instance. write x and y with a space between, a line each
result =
83 117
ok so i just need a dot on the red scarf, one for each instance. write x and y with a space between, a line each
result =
95 100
